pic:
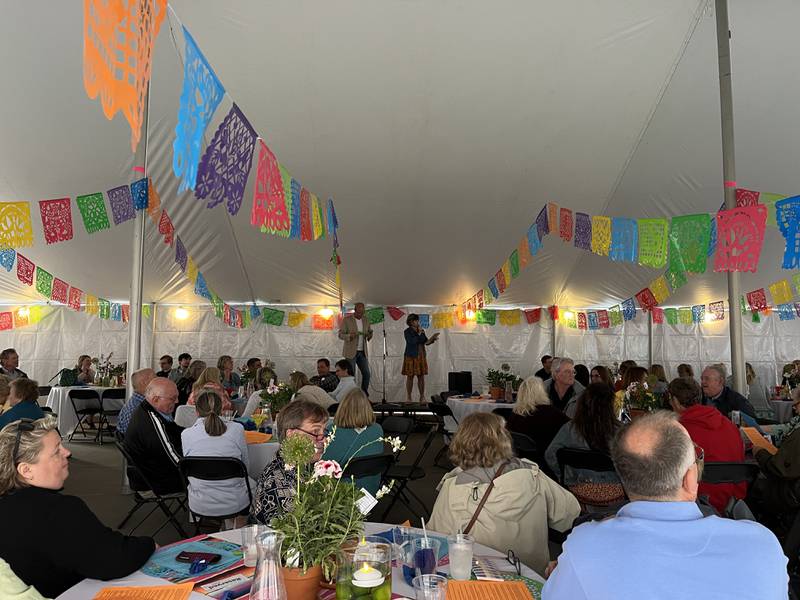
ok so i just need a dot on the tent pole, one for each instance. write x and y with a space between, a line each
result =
137 270
153 317
553 337
650 356
729 177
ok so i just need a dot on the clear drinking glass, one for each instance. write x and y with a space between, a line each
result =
268 580
459 549
430 587
250 535
422 557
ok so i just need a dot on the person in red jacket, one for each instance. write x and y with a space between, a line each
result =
714 433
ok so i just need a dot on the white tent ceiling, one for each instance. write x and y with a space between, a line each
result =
439 128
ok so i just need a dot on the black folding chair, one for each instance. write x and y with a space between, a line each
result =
369 466
398 426
143 493
404 474
90 406
524 447
105 412
213 468
730 472
503 412
441 411
588 460
333 408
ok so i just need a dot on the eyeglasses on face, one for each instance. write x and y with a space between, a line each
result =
699 454
317 436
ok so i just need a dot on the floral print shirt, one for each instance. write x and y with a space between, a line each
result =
274 492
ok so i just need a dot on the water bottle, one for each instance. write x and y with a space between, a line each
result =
736 417
509 393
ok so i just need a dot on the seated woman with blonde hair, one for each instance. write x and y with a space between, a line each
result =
209 380
521 502
304 390
535 417
52 540
357 434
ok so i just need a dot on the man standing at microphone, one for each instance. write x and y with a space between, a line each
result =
356 332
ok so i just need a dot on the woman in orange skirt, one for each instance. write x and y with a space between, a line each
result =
414 361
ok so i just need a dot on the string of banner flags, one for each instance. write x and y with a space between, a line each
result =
683 245
118 70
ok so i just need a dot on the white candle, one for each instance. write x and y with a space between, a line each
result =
367 577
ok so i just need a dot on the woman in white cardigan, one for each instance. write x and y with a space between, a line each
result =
521 505
211 436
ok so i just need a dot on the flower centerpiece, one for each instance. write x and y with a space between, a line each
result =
324 513
640 399
106 372
275 397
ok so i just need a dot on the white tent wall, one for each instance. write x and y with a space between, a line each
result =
62 335
470 347
768 345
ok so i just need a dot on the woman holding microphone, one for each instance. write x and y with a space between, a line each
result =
414 361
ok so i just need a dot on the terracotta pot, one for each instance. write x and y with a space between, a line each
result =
497 392
302 586
635 413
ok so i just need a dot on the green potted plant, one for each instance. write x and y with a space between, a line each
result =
497 383
324 515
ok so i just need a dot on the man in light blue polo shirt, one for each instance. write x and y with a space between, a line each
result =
659 546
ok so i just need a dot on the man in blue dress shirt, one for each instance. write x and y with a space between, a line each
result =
660 545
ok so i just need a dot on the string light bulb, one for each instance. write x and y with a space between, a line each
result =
568 314
326 313
181 314
23 312
470 314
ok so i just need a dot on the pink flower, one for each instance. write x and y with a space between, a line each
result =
327 468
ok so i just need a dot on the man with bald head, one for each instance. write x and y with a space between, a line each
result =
659 546
154 439
139 381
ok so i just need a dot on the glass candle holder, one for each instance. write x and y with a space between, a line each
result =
364 570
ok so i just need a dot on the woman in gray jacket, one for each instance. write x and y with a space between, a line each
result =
211 436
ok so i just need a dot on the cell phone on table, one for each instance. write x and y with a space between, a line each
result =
190 557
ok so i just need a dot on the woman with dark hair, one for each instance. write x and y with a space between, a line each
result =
582 375
186 383
685 371
623 367
414 361
211 436
592 428
601 374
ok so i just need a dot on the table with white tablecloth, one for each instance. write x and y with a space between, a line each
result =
783 410
462 407
88 588
58 401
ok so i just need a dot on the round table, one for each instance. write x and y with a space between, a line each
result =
58 401
462 407
89 587
783 410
